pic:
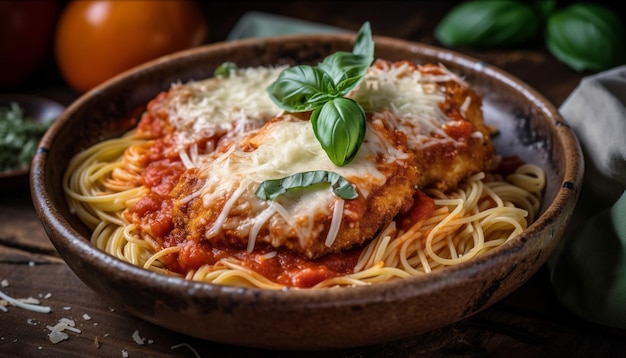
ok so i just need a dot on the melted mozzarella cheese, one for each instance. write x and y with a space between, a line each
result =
285 147
215 106
412 97
399 97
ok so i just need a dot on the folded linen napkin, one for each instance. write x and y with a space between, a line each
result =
260 24
589 270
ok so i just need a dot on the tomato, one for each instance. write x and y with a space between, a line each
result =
25 37
96 40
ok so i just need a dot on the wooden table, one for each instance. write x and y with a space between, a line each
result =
529 322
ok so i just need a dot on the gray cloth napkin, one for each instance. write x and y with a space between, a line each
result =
259 24
597 112
589 270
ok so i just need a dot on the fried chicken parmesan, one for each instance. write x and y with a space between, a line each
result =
424 129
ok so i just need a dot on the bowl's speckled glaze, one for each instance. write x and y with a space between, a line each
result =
310 319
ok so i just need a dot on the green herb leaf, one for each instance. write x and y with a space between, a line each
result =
271 189
364 46
586 36
19 137
300 88
225 69
339 126
348 69
488 24
545 7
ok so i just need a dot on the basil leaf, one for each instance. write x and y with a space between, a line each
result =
339 125
488 24
297 88
545 7
271 189
225 69
364 46
347 69
586 36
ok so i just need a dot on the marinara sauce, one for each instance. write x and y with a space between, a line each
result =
153 214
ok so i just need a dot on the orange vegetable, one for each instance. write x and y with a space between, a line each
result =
98 39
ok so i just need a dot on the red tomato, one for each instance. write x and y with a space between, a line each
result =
96 40
26 29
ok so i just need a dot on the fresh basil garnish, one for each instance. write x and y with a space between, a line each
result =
339 124
224 70
300 88
586 36
271 189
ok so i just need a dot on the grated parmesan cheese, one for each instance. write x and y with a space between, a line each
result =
211 107
57 332
186 345
412 97
289 146
30 303
138 339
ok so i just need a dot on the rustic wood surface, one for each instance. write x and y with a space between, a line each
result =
528 323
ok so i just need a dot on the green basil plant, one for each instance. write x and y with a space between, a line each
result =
487 24
586 36
582 35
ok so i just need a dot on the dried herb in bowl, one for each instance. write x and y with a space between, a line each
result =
19 136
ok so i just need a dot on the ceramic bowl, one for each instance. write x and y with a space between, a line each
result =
310 319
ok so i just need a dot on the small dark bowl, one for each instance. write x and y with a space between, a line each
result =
34 108
311 319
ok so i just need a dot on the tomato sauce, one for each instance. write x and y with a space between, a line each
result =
423 207
278 265
509 165
460 130
154 214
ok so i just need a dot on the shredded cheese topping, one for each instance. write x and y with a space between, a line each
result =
412 97
239 105
30 304
223 105
57 332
